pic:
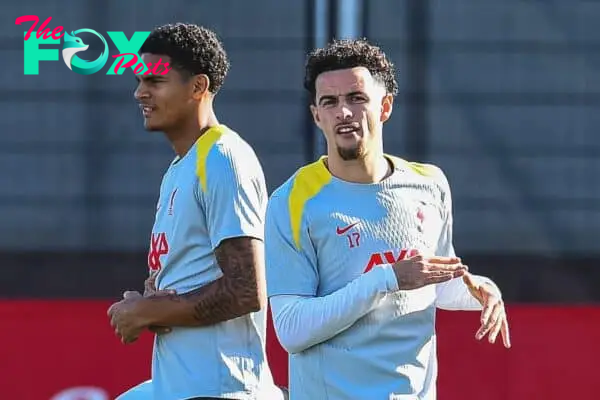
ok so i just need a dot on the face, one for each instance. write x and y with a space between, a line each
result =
351 107
166 101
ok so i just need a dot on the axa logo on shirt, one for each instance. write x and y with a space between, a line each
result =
73 44
389 257
159 246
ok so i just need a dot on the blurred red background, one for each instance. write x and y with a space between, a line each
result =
50 346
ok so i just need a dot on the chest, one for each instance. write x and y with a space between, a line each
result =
178 199
369 229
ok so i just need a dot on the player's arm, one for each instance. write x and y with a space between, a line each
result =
234 201
472 292
455 294
302 322
301 318
241 289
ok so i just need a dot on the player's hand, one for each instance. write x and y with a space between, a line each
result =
418 271
159 330
493 315
151 290
150 285
123 317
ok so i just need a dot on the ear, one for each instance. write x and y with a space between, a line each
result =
387 104
315 113
200 84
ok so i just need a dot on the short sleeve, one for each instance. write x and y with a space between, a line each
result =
291 264
235 195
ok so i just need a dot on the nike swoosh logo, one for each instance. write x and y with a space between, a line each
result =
341 231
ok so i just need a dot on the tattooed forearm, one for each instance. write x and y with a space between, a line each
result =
240 290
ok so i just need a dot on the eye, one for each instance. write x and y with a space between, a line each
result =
358 98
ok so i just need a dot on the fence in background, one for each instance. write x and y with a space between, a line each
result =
503 96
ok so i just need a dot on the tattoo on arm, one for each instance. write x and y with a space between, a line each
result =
239 291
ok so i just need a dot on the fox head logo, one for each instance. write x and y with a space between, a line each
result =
73 44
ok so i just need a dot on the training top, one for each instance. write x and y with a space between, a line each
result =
214 192
333 242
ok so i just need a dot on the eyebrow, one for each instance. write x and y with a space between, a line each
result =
147 78
330 96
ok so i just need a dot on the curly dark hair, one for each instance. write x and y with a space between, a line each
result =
193 49
350 53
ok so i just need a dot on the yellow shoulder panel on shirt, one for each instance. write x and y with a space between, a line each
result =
203 146
307 184
420 168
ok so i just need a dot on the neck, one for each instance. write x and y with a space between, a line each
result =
183 137
372 168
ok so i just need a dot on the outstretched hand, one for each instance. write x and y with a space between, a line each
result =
493 315
418 270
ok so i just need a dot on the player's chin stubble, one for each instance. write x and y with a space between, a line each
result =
352 153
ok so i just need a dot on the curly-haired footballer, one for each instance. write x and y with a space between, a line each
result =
205 295
359 247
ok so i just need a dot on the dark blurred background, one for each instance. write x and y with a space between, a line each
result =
502 95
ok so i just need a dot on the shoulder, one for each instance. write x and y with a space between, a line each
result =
430 172
430 175
304 184
220 144
287 204
221 153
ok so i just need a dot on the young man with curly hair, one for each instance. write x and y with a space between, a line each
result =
359 247
205 297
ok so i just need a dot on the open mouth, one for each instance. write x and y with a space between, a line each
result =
147 109
348 129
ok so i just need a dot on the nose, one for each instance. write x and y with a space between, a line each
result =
344 113
140 93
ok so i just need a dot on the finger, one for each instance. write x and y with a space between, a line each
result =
470 281
442 272
437 277
131 294
490 321
445 267
495 331
129 340
458 273
473 286
414 253
486 313
169 292
505 333
160 330
486 325
150 283
443 260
